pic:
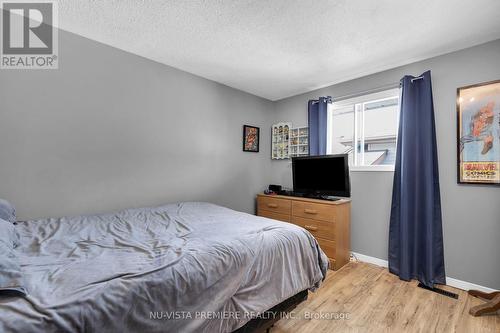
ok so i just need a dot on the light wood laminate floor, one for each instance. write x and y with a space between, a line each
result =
363 297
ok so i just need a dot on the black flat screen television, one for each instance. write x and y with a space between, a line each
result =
321 175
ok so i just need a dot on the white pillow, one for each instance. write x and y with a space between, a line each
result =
8 234
7 211
11 276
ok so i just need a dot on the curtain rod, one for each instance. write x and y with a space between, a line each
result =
374 90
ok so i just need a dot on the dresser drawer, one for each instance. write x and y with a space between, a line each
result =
274 216
313 211
316 228
333 264
327 246
276 205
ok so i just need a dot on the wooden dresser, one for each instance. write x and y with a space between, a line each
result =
328 221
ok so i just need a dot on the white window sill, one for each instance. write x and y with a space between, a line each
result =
379 168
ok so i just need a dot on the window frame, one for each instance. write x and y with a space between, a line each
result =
358 102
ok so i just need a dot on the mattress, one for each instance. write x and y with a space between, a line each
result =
185 267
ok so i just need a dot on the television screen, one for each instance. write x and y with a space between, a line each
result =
321 175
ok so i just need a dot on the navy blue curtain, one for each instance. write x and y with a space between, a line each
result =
317 118
415 234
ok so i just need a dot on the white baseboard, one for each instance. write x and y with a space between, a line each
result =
464 285
371 260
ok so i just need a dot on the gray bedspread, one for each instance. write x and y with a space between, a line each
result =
186 267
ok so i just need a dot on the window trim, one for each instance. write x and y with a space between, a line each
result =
361 100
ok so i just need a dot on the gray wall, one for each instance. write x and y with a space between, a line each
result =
111 130
471 214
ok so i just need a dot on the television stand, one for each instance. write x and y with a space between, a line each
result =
328 221
310 195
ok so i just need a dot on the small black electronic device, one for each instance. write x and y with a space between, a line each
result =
275 188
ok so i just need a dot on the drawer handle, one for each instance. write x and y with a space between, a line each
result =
310 211
271 205
310 228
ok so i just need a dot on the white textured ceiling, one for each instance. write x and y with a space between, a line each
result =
279 48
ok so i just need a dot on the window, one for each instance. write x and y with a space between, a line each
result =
365 127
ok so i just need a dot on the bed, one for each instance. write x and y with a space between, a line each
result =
185 267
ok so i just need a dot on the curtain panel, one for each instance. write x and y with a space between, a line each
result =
415 234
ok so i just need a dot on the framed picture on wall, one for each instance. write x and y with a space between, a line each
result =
478 134
251 138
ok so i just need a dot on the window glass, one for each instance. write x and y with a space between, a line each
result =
366 128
